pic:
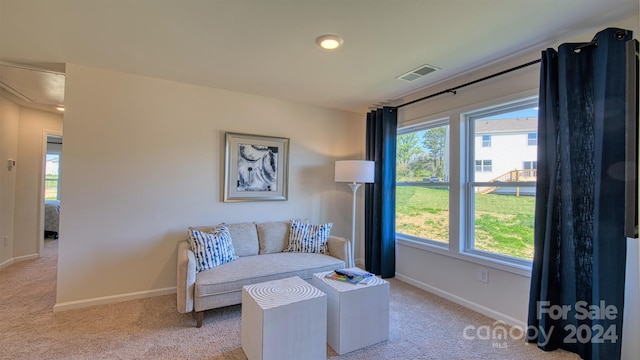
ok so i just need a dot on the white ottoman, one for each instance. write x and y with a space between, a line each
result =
284 319
357 315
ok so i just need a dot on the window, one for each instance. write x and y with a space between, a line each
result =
51 184
532 139
486 140
530 168
458 197
483 165
422 182
500 209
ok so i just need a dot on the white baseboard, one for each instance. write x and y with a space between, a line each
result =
18 259
112 299
6 263
25 258
464 302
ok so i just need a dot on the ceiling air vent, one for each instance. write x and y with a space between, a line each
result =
418 72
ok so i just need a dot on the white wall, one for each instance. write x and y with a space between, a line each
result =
631 323
631 320
143 161
506 296
20 196
9 117
28 199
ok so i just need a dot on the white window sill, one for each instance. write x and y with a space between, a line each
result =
469 257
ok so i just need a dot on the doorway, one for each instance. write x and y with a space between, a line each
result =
50 187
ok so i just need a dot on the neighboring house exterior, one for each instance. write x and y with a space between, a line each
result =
503 145
52 164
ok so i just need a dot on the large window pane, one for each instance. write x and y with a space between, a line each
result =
503 188
52 166
504 224
422 193
423 212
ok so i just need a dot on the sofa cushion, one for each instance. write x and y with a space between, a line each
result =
255 269
308 238
244 238
211 249
273 236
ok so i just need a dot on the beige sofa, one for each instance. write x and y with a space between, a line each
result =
259 247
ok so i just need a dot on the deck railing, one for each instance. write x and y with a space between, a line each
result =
526 175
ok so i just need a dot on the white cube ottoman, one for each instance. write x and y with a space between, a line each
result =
357 315
284 319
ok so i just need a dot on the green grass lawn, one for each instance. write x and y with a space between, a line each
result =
503 223
51 187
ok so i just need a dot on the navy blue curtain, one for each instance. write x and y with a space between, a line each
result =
380 196
580 247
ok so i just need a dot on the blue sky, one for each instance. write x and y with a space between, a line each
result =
532 112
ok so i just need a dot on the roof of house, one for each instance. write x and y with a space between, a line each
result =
528 124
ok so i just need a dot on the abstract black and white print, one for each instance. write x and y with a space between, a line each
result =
257 168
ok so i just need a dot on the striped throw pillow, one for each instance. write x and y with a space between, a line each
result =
213 248
307 238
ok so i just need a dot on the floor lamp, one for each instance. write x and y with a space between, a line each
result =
354 172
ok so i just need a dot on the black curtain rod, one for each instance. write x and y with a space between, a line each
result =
454 89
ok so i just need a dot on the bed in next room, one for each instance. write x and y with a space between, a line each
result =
51 218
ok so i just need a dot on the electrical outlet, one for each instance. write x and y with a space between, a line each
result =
6 241
483 275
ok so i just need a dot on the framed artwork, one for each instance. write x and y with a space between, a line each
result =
255 168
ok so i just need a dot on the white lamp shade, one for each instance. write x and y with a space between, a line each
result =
355 171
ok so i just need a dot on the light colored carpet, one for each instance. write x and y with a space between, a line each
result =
422 326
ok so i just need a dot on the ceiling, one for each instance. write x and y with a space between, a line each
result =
32 86
268 47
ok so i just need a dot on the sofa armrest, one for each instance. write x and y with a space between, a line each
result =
341 249
186 277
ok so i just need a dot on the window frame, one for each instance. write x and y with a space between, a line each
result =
486 140
425 125
458 168
468 118
534 139
484 165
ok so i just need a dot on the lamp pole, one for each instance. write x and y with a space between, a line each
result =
354 187
354 173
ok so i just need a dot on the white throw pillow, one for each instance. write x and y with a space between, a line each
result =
213 248
307 238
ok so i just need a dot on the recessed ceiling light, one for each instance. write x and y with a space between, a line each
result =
60 107
329 42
